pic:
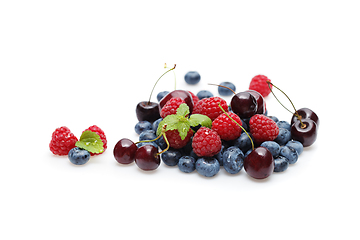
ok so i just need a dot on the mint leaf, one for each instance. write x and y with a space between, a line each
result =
203 120
171 122
183 110
91 142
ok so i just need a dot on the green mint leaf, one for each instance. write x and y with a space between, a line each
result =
171 122
91 142
183 110
183 129
203 120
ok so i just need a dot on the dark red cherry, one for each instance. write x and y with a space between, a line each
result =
259 163
147 111
124 151
185 95
306 134
306 113
244 104
146 158
261 106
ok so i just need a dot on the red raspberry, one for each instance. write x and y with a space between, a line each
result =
175 140
263 128
62 141
101 134
171 106
210 107
226 128
258 83
206 142
194 97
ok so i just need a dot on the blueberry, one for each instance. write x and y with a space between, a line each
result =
192 77
147 143
155 124
143 126
147 135
296 145
272 146
224 91
204 94
160 95
233 160
283 137
248 152
187 164
289 153
171 157
161 142
243 142
281 164
78 156
274 118
207 167
284 124
219 156
245 125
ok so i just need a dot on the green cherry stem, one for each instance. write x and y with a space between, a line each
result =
159 79
167 143
252 143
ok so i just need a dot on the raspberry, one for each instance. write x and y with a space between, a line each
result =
101 134
206 142
263 128
175 140
258 83
194 97
210 108
171 106
62 141
226 128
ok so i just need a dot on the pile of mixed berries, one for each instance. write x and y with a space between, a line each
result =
203 132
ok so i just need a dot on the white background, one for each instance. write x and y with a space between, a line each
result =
79 63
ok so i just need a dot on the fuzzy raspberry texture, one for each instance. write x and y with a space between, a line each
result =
226 128
194 97
101 134
210 107
206 142
171 106
62 141
258 83
263 128
175 140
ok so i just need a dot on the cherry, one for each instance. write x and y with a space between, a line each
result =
261 106
259 163
147 158
185 95
124 151
304 131
244 104
305 113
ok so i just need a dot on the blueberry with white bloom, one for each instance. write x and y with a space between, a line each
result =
283 137
289 153
192 77
281 164
225 91
186 164
204 94
272 146
207 167
284 124
143 126
233 160
296 145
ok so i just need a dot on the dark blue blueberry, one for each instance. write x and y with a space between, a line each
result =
272 146
233 160
78 156
193 154
284 124
248 152
245 125
204 94
219 156
289 153
171 157
161 142
225 91
283 137
187 164
147 143
296 145
281 164
207 167
188 148
192 77
160 95
155 124
274 118
243 142
143 126
147 135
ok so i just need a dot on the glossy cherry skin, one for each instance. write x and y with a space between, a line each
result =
147 111
185 95
261 106
124 151
146 158
306 113
307 135
244 104
259 163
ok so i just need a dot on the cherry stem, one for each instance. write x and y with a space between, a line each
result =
252 143
167 143
159 79
223 87
296 113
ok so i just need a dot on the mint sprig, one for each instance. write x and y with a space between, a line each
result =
91 142
182 122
